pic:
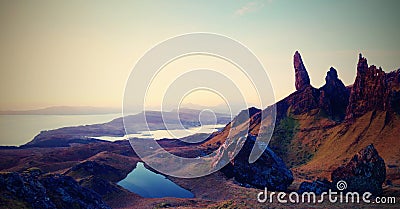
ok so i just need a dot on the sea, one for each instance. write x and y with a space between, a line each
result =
17 130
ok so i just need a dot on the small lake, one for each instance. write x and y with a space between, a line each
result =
146 183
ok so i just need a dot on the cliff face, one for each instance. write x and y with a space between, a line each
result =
267 171
368 91
373 89
37 190
393 81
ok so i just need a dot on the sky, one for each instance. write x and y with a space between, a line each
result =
81 53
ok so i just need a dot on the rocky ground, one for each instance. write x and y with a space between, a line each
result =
100 172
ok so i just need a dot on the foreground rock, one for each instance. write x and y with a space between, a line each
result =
365 172
32 189
318 186
268 171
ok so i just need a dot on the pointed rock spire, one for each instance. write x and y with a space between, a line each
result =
331 75
302 78
334 96
362 65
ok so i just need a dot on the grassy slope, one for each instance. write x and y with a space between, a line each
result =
339 143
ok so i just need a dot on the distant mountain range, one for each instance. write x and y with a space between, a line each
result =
64 110
235 108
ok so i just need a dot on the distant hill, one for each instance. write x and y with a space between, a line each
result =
156 120
233 108
64 110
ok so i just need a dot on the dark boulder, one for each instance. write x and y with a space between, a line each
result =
365 172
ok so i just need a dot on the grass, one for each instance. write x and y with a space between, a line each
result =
281 141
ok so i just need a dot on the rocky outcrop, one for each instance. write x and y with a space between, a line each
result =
302 78
393 81
368 91
244 115
37 190
98 177
101 186
268 171
365 172
334 96
305 98
302 101
373 89
92 168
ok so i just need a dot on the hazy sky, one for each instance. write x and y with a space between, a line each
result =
80 53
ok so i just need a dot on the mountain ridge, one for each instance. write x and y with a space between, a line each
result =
311 121
64 110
